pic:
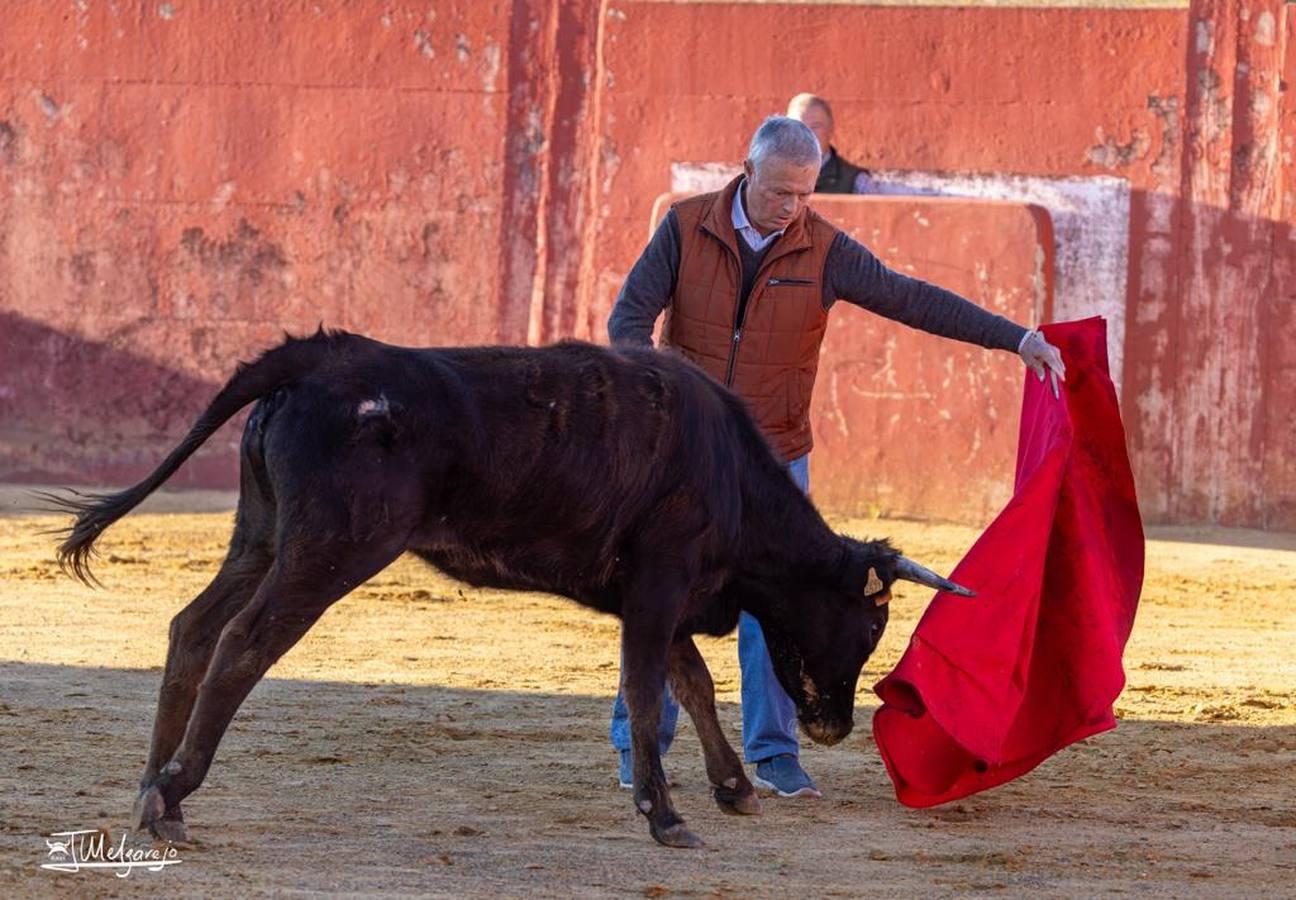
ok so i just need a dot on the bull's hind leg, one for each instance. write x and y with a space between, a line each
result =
196 628
692 684
291 598
194 632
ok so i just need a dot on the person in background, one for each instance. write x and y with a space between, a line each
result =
837 175
747 276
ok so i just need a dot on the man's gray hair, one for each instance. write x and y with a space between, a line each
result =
785 138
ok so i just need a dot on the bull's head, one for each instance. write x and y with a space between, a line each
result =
822 630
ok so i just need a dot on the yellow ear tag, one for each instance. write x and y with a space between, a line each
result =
874 584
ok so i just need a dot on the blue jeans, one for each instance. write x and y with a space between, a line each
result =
768 714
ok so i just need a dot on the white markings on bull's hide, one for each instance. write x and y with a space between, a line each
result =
1090 227
645 806
377 407
731 783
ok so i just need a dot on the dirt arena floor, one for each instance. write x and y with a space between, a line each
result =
426 738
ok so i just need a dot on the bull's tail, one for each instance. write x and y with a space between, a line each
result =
295 358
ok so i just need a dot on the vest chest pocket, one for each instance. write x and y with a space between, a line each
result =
787 293
790 282
789 306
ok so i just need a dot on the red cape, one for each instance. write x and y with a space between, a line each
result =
992 686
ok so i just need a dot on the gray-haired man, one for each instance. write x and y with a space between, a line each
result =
747 276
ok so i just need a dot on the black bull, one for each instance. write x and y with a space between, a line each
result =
627 480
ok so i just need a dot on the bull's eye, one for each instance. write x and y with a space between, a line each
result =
875 631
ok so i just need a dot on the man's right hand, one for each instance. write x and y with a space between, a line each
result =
1039 354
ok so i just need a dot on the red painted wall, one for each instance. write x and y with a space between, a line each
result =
179 182
969 89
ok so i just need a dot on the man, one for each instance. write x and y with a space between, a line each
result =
836 175
747 276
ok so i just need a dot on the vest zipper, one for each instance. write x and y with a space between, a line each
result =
733 355
737 332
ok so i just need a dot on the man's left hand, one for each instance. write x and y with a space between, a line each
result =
1039 354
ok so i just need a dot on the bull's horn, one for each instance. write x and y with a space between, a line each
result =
911 571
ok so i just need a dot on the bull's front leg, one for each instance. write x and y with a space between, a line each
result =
645 636
691 681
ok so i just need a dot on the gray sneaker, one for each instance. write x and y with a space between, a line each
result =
784 776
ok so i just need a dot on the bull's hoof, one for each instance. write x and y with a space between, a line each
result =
676 835
171 827
149 809
737 802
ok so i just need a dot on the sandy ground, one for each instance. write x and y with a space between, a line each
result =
426 738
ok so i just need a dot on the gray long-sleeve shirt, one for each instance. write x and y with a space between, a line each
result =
851 273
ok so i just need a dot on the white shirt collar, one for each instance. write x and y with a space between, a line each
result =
743 226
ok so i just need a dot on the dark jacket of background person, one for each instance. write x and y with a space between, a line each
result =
837 176
718 290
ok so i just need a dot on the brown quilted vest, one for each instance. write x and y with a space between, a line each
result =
770 358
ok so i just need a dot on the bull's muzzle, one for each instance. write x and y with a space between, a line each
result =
827 732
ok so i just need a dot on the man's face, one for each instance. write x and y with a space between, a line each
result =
777 191
818 121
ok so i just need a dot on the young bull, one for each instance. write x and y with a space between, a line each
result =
628 481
